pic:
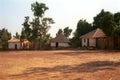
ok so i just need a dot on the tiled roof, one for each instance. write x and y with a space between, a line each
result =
97 33
60 38
14 40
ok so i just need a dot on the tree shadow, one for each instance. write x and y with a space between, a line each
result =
85 67
85 52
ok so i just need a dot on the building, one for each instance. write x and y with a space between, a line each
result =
60 41
25 44
14 44
95 38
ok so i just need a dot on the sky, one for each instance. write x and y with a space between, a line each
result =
64 12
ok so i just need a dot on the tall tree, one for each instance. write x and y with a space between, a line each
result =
26 30
67 31
40 24
105 21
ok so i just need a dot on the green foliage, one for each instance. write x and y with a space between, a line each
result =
67 31
105 21
39 9
117 22
17 36
83 27
26 30
36 30
117 18
60 31
4 37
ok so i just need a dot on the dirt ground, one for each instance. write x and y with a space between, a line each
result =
60 65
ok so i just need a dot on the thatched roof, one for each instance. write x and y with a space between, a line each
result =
60 38
97 33
14 40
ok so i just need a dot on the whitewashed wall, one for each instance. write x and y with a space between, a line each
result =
92 42
84 43
53 44
12 45
63 44
60 45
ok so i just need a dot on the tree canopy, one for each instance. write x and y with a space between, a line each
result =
105 21
4 37
66 31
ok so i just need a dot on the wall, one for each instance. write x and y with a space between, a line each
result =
84 42
59 45
63 45
12 45
92 42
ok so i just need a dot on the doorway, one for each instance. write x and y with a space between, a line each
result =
15 46
56 44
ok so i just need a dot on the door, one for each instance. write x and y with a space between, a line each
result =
56 44
15 46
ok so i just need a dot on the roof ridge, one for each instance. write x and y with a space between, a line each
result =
95 32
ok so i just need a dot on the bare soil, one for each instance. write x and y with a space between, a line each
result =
60 65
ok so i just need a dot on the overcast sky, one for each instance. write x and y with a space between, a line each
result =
64 12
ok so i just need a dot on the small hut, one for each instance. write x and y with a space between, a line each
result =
95 38
14 44
25 44
60 41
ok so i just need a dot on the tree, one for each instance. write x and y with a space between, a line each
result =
60 31
67 31
117 23
4 37
105 21
40 24
39 9
83 27
17 36
26 30
117 18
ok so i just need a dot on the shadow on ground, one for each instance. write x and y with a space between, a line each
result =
85 67
85 52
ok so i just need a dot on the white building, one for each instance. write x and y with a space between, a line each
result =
60 41
14 44
91 38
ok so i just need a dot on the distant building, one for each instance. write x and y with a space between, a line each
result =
60 41
95 38
14 44
25 44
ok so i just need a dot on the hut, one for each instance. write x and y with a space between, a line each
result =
14 44
60 41
95 38
25 44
